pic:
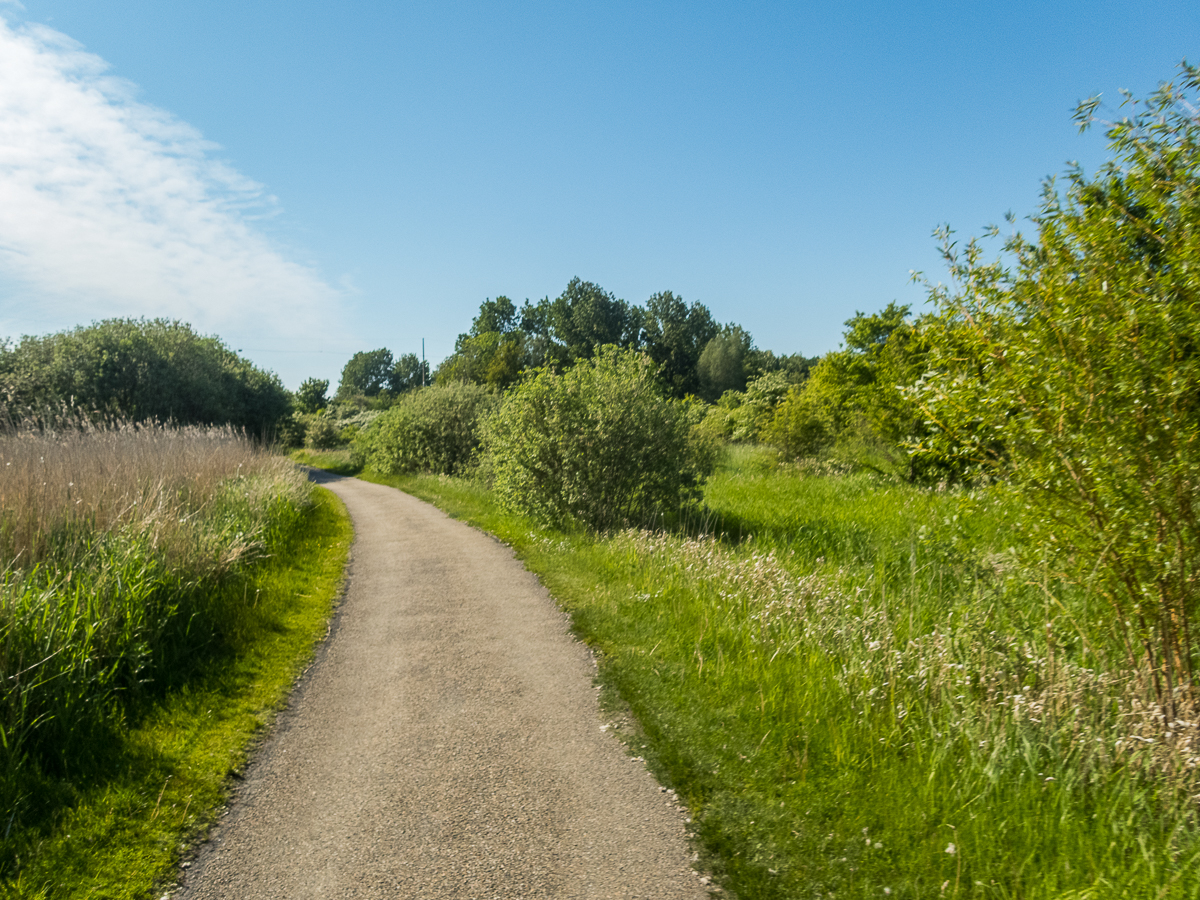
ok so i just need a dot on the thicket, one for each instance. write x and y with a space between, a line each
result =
138 370
744 416
434 429
854 408
602 444
1072 375
114 542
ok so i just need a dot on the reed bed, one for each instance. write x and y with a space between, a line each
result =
114 542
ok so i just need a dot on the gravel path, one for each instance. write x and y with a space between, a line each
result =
445 744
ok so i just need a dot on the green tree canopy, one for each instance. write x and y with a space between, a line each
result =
581 318
366 373
795 366
674 335
869 335
504 342
310 397
140 369
499 316
407 373
487 358
722 364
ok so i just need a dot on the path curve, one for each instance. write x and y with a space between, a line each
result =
446 743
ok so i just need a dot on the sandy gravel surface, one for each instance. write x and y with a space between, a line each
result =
446 744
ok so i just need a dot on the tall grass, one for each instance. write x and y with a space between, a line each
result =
947 724
112 542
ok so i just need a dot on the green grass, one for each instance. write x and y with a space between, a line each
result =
336 461
117 828
856 680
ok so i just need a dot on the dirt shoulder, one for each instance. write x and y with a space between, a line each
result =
446 744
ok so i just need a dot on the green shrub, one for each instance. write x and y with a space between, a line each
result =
600 444
717 423
797 428
758 404
1074 375
433 429
291 431
854 407
322 433
140 370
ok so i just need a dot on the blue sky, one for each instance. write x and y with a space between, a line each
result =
307 180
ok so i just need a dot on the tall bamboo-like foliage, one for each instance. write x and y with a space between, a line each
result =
1073 371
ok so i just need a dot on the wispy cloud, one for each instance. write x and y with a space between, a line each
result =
110 206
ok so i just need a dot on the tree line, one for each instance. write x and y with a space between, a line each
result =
694 353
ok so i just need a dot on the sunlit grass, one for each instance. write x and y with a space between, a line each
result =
118 833
337 461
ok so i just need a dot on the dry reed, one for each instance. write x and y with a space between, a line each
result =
114 541
147 479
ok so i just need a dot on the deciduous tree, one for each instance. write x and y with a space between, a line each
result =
366 373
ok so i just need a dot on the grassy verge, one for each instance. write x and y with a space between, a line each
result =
117 828
859 695
336 461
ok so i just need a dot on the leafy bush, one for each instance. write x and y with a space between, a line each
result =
1075 376
718 422
140 370
291 431
798 429
744 416
433 429
757 408
853 407
322 433
600 444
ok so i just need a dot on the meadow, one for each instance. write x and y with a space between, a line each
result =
161 590
859 691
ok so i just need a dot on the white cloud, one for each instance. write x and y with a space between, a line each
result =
112 207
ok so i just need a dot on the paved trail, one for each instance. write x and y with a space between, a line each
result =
446 744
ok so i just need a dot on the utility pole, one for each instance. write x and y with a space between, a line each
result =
422 362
